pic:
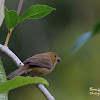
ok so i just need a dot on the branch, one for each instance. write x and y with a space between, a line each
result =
17 61
10 31
9 53
45 92
20 6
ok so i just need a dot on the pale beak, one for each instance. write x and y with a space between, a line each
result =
59 59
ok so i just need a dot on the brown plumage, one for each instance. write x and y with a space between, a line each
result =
39 64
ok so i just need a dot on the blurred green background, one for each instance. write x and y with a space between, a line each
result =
57 32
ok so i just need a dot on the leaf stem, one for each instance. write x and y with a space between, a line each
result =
10 31
8 36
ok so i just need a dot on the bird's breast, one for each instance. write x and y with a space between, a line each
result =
37 71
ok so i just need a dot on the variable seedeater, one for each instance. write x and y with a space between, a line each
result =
38 65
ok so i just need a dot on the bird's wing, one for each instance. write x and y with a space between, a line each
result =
39 62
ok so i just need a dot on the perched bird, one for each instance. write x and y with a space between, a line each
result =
38 65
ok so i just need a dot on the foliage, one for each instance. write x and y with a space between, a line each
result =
11 18
34 12
20 81
85 37
3 96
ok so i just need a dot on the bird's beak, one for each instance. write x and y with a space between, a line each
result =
59 59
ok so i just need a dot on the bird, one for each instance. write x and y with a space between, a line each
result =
38 65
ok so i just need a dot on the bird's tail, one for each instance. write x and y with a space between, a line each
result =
17 72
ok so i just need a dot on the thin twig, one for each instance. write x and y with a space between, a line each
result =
20 6
8 36
17 61
10 31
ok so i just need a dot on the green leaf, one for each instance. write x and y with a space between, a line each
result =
20 81
36 11
96 28
11 18
3 96
85 37
81 41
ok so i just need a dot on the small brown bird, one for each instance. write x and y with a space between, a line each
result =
38 65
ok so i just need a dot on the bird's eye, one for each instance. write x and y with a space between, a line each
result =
55 56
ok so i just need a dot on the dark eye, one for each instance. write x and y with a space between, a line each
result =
55 56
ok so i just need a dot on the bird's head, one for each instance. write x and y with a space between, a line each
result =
54 57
